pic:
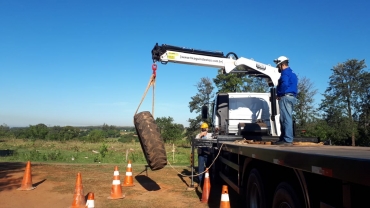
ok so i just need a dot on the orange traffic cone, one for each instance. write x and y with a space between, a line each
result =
27 179
78 197
116 192
225 201
128 181
206 188
90 200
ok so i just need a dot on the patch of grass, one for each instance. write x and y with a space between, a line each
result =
110 151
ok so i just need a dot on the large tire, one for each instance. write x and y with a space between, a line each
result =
285 197
256 194
150 140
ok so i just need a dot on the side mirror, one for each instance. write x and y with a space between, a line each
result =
204 112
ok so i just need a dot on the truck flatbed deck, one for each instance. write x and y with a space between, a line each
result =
351 164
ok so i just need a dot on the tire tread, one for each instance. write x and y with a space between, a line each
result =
151 140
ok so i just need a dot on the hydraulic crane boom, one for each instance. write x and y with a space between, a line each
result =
167 53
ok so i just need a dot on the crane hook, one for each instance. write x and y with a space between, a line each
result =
154 68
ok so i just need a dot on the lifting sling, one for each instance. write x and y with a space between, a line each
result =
151 83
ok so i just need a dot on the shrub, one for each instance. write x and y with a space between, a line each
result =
96 135
127 138
102 152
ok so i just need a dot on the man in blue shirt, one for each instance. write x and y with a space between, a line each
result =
287 90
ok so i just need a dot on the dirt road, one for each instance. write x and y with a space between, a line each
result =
55 185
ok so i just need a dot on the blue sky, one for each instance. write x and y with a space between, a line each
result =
88 62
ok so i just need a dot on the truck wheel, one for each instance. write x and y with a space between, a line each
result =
150 140
285 196
256 195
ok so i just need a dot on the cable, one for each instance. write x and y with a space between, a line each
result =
151 83
201 172
231 53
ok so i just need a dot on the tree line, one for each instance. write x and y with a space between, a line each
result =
66 133
170 132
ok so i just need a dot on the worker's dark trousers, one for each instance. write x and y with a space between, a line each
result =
202 163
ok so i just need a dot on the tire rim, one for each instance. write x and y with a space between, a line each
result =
254 198
284 205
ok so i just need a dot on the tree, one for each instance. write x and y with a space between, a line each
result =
55 133
318 128
20 133
38 131
4 130
233 82
342 97
170 131
110 131
203 97
96 135
105 127
69 133
364 116
239 82
255 84
163 122
304 110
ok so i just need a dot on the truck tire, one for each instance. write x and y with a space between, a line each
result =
255 193
150 140
285 196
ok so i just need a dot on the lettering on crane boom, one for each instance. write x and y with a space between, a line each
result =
194 58
172 55
260 66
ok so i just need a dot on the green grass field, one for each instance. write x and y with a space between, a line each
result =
109 151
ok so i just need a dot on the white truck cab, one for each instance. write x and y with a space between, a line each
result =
233 112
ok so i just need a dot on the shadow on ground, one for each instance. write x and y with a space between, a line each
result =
147 183
187 174
11 175
7 180
38 183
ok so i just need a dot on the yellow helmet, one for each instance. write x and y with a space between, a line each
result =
204 126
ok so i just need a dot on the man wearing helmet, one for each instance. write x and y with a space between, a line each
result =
203 152
287 90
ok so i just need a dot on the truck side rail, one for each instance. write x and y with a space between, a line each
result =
350 164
